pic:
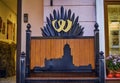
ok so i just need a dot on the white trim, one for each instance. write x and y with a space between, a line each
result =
100 21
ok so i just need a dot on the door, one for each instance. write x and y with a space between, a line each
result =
10 30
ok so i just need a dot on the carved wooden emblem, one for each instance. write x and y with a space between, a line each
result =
62 23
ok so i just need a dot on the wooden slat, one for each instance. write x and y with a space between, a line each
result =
76 52
42 52
92 55
82 50
33 58
81 42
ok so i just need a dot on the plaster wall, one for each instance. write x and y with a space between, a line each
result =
85 9
34 9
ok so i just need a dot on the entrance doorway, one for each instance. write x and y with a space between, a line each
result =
8 37
10 30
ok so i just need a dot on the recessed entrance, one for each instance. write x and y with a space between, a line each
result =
8 39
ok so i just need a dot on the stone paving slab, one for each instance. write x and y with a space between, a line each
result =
8 80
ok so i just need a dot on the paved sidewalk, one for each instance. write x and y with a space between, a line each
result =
8 80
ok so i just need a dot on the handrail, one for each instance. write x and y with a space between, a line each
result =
28 39
96 34
101 68
22 68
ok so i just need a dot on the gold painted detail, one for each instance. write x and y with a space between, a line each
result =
62 26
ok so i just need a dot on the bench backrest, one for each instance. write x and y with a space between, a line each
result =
62 28
62 47
82 50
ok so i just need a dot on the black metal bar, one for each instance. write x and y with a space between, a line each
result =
101 68
96 34
22 68
28 38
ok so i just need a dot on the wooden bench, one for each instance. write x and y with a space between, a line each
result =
62 59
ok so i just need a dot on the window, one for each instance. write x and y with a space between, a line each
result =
114 29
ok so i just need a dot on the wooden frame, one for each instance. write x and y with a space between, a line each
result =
3 28
0 24
19 17
108 2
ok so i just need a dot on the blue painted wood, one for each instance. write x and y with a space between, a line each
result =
96 34
62 13
73 17
101 68
51 18
28 39
22 68
64 81
69 14
81 37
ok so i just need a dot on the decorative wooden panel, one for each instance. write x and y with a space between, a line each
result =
42 48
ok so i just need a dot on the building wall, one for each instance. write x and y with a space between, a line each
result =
6 14
85 9
34 9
